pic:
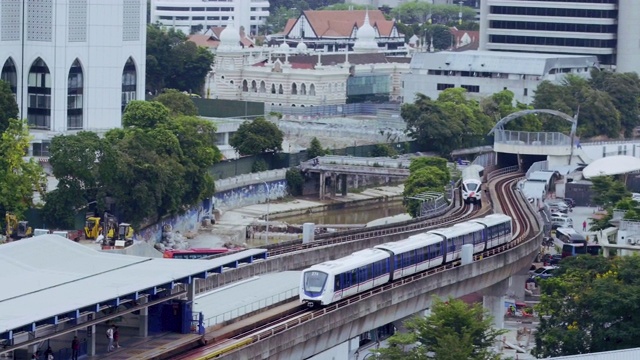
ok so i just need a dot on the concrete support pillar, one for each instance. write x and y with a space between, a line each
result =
343 185
308 232
322 180
334 184
143 322
91 340
355 181
517 284
191 291
493 300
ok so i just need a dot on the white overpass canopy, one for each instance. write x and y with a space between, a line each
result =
612 165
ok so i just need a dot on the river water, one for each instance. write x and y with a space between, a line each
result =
353 215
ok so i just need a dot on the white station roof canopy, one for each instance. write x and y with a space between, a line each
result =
612 165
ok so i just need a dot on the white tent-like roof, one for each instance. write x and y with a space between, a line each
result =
612 165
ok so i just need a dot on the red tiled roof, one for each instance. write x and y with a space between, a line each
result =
289 25
458 34
341 22
204 40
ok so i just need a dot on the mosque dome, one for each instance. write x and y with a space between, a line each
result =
366 37
229 37
284 46
301 46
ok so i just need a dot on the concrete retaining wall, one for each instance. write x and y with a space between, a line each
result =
250 194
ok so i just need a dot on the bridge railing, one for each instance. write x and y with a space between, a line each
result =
250 179
365 161
531 138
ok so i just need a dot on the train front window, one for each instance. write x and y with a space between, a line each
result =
314 281
471 187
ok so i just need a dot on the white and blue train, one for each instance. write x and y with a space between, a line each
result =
331 281
472 184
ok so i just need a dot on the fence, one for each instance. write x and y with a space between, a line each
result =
249 308
365 161
485 160
537 166
333 110
532 138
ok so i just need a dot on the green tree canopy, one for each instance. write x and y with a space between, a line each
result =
501 104
427 174
589 306
177 102
174 62
19 179
8 106
256 137
145 114
453 331
624 90
607 191
315 149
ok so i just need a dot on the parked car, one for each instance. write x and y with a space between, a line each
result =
570 202
552 260
557 205
559 219
543 273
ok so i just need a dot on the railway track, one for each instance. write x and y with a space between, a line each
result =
510 202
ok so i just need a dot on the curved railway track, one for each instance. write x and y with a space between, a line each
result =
505 194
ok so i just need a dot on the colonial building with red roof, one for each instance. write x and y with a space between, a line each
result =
334 30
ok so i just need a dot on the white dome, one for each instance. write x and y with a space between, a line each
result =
229 37
366 37
301 46
284 46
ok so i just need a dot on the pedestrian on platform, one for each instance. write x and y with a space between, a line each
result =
110 337
48 354
116 336
584 225
75 348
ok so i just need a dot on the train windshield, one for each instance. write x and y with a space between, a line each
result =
472 186
314 281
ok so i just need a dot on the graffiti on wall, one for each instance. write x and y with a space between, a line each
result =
189 221
250 195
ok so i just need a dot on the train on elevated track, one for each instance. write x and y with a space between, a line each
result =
331 281
472 184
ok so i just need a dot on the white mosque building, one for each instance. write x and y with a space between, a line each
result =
300 77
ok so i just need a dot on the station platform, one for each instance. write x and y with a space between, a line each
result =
150 347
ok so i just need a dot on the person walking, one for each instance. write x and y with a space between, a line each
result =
110 337
116 337
584 225
75 348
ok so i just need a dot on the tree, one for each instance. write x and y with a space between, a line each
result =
427 174
278 18
295 181
590 305
383 150
440 35
8 106
607 191
145 114
177 102
174 62
315 149
500 104
624 89
453 331
19 179
256 137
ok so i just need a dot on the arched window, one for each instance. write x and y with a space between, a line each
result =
294 89
303 89
254 86
245 86
75 90
273 88
39 104
280 89
263 87
10 75
312 90
129 82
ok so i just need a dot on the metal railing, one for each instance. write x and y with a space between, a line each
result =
531 138
537 166
365 161
249 308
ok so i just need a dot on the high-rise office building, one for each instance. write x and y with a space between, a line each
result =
605 28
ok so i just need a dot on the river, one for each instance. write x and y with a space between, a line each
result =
353 215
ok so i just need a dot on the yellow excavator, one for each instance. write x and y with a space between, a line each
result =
114 231
17 229
92 227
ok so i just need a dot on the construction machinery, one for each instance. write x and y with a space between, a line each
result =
92 227
17 229
114 232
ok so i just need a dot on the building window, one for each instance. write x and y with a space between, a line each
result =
312 90
444 86
273 88
280 89
263 87
39 100
75 87
40 149
129 82
245 86
471 88
254 86
294 89
303 89
526 91
10 75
